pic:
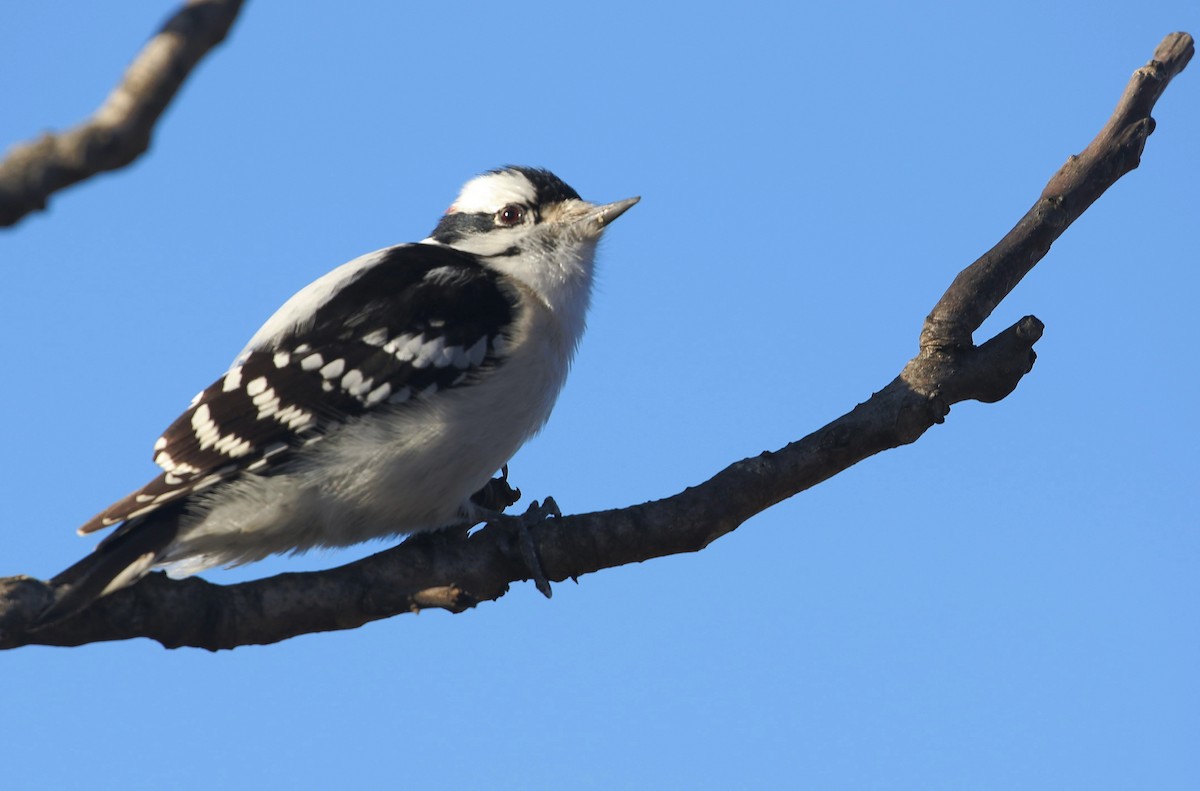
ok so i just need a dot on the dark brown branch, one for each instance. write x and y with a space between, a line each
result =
456 574
979 288
120 130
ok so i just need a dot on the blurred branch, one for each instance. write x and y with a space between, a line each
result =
120 130
456 573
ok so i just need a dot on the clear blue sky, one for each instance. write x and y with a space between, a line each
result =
1011 603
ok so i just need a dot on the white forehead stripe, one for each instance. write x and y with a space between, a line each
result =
493 191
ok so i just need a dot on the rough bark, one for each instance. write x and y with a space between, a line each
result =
120 130
456 573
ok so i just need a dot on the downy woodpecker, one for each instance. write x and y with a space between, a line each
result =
376 401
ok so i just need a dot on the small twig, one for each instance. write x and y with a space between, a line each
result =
120 130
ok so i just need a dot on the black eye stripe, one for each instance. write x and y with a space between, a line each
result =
457 225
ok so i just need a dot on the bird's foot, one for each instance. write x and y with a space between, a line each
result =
486 504
518 528
497 494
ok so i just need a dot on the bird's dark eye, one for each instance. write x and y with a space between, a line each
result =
510 215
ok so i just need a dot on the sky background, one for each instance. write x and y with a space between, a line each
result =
1010 603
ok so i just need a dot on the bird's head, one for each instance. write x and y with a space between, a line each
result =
529 224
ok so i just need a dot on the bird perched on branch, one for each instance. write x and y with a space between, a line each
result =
376 401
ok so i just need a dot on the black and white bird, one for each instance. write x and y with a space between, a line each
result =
376 401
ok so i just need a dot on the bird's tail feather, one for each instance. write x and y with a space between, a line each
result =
118 561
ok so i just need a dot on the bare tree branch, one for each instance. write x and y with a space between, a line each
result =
120 130
457 573
979 288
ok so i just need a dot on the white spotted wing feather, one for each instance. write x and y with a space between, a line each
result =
438 329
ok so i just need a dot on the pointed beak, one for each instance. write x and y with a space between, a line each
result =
611 211
598 218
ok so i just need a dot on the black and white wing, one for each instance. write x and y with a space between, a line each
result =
389 328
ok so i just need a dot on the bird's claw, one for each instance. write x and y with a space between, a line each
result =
519 526
540 513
